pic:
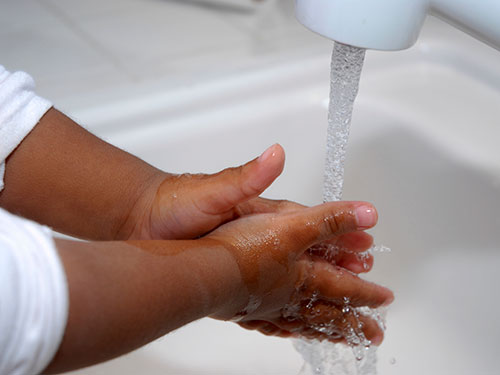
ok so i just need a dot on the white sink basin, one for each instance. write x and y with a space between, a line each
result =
424 149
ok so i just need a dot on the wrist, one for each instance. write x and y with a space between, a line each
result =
230 294
135 224
208 278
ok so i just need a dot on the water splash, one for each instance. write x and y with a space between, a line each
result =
326 358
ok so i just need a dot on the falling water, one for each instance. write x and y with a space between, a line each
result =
347 63
326 358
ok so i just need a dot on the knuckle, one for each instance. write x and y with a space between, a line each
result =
339 222
240 181
332 223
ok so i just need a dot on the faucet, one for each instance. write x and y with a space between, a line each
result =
395 24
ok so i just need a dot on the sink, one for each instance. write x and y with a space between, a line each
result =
424 149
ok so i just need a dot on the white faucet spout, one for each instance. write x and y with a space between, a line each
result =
396 24
373 24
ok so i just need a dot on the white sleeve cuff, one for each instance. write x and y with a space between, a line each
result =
20 110
33 296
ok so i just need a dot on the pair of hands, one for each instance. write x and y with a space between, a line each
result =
274 244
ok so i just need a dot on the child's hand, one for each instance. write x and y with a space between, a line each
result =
188 206
276 268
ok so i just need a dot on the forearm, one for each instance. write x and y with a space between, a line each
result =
126 294
64 177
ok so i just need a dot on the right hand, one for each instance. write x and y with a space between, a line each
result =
276 269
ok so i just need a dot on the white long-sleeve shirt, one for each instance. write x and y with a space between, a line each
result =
33 289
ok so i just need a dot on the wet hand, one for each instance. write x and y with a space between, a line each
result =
187 206
291 287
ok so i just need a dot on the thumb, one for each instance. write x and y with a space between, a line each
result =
230 187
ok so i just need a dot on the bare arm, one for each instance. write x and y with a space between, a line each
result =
126 294
65 177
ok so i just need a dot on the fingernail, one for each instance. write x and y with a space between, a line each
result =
389 300
377 339
366 216
270 152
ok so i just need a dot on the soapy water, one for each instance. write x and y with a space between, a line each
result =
325 357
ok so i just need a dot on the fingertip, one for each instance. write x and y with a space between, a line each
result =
390 298
385 296
376 336
273 159
366 215
269 166
273 151
356 264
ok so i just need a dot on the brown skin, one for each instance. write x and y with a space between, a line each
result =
128 299
121 293
66 178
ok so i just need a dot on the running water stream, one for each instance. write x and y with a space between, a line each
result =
347 64
326 358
